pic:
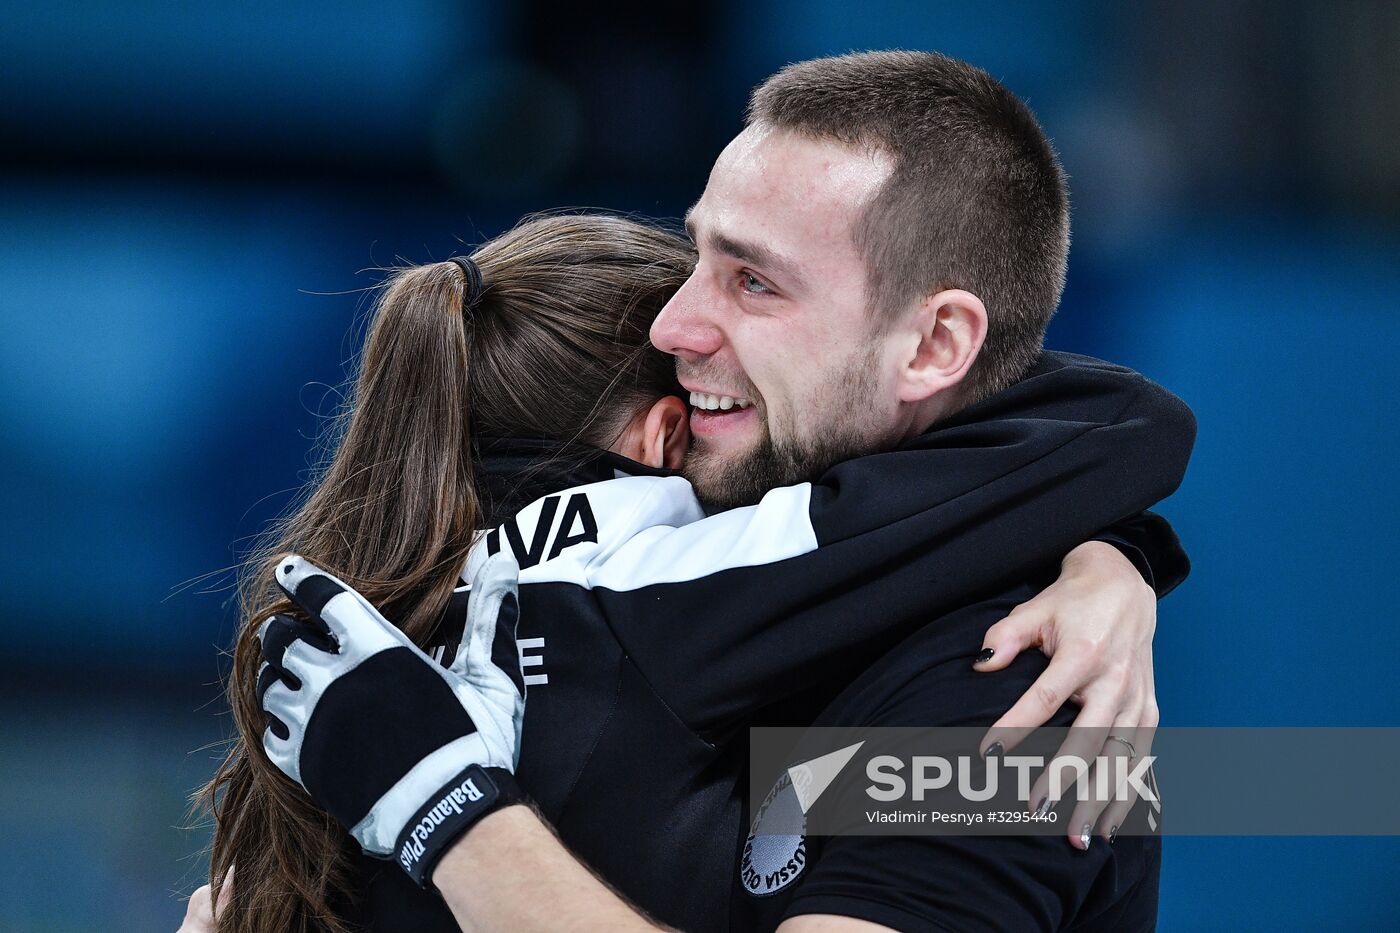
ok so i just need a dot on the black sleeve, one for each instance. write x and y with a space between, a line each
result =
1149 541
970 883
909 535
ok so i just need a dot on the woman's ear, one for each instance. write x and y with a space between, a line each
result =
658 436
667 433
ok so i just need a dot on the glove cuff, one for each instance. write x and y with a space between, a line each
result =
449 813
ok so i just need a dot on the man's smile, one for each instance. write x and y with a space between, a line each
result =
716 413
712 402
713 416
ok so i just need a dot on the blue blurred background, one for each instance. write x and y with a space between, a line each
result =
190 197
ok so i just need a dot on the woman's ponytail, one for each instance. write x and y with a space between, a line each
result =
394 515
398 504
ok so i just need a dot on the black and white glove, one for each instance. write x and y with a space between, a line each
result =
405 753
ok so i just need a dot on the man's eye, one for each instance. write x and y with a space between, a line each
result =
751 284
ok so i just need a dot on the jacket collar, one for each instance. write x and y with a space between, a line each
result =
512 472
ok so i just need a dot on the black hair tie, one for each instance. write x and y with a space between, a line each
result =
471 289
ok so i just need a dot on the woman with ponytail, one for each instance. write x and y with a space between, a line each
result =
525 371
546 340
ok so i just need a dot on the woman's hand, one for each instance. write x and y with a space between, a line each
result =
346 687
1095 623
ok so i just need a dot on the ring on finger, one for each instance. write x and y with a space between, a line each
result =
1132 752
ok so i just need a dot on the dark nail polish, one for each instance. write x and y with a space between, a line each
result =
985 654
1112 834
993 751
1084 837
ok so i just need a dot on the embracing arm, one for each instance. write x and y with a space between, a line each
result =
510 872
884 543
790 592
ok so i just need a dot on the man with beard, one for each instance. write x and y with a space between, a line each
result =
880 251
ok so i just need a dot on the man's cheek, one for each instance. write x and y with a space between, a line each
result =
785 428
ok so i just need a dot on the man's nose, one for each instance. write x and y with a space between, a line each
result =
685 328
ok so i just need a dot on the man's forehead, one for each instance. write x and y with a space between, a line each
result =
787 187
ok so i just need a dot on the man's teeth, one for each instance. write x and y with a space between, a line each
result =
717 402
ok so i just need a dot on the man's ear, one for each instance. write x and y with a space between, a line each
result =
658 436
952 325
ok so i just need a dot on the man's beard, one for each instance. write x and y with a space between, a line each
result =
729 482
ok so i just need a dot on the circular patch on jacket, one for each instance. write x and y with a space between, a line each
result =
776 851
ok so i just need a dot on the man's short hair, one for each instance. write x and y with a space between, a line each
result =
976 199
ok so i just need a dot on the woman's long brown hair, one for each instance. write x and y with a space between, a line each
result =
555 347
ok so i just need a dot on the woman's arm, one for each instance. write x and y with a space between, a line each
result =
511 872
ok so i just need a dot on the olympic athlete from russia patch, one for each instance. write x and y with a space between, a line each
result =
775 852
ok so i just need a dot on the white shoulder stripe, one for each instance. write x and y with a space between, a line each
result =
652 530
777 528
